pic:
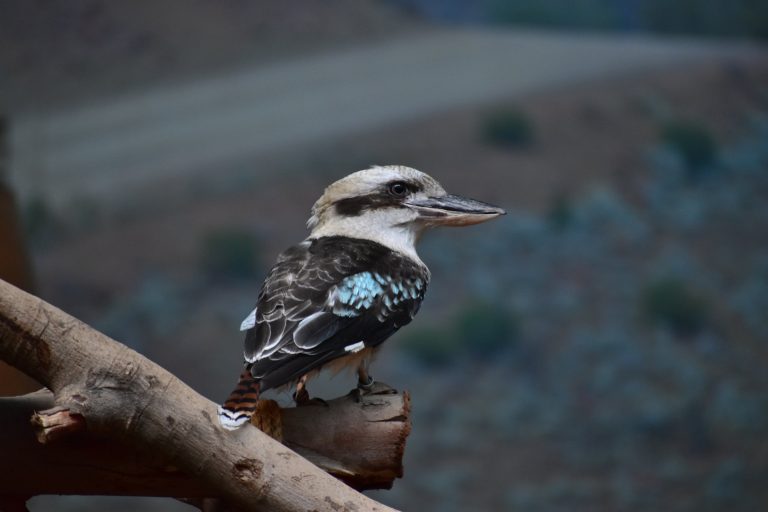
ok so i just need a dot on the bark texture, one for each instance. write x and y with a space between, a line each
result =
373 433
14 268
120 398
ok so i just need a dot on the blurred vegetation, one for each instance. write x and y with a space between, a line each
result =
593 14
617 403
693 143
41 224
430 346
480 330
509 128
713 17
156 307
615 407
695 17
560 214
87 213
44 224
485 328
230 253
672 303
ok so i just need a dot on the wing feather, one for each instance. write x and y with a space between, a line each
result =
315 329
322 297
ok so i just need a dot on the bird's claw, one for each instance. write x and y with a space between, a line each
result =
301 396
371 387
367 385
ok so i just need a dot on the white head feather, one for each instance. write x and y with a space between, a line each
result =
396 228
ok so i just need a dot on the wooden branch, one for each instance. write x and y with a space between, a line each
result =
81 464
56 423
370 457
362 443
14 268
126 400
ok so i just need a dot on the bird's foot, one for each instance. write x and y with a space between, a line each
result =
367 385
371 387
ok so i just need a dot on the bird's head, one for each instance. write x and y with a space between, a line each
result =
392 205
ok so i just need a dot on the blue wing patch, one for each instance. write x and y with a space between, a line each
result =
359 292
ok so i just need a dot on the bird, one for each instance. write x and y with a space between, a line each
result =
334 298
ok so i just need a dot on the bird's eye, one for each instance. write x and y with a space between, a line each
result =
398 189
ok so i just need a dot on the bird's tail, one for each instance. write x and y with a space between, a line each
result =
241 404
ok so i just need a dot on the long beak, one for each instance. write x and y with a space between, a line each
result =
451 210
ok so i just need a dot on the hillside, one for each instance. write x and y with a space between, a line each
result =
60 52
621 358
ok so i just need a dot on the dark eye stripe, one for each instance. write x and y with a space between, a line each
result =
354 206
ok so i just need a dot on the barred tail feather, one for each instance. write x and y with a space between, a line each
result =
241 404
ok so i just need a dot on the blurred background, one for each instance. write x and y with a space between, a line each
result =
602 347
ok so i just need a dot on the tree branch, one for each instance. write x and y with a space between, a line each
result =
370 457
127 401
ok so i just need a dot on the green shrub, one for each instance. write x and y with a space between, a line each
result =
509 128
560 213
230 254
485 328
585 14
431 346
86 213
693 143
480 330
713 17
674 305
41 223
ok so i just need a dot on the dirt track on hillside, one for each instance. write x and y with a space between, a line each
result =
105 150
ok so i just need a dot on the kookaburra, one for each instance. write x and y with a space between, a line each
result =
356 279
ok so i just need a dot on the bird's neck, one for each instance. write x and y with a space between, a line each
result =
400 239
